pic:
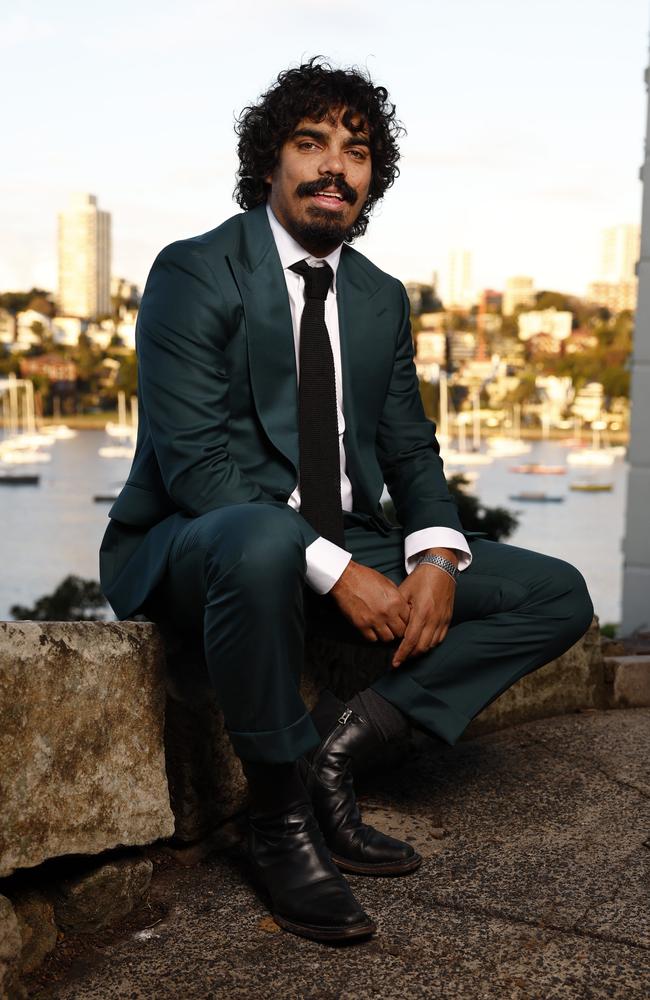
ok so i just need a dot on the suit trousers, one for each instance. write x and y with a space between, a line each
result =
236 575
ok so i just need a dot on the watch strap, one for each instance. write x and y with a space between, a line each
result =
444 564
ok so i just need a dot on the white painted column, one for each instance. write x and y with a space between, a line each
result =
636 544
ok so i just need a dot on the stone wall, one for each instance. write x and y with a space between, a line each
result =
111 739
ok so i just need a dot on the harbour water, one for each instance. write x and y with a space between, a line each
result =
54 529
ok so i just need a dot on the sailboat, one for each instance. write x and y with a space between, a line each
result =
124 431
597 454
502 446
59 431
461 455
21 446
121 429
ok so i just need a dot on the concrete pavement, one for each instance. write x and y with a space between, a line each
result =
535 886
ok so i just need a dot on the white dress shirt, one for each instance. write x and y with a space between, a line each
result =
325 560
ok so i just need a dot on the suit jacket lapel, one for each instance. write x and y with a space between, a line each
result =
258 272
359 304
272 359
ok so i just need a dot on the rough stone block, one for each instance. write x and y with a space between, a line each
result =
628 681
81 739
10 946
38 931
98 898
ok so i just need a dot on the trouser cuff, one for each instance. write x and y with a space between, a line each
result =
277 746
422 706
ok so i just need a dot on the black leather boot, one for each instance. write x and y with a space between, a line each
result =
309 896
356 847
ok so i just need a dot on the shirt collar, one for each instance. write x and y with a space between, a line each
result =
290 250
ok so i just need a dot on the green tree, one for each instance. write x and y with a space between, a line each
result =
526 391
127 376
496 523
73 600
9 363
45 337
15 302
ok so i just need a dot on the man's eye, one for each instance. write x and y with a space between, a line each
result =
307 145
360 154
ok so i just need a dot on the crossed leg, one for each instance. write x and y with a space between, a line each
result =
515 610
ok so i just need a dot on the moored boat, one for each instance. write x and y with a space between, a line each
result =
29 479
535 468
534 496
591 487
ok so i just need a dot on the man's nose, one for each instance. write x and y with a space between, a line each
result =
332 163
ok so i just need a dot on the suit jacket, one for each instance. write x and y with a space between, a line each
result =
218 402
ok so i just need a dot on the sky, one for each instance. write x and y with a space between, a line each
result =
525 123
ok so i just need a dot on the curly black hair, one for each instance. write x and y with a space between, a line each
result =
313 90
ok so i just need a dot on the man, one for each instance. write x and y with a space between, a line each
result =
277 395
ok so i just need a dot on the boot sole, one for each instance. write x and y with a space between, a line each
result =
325 933
314 932
359 868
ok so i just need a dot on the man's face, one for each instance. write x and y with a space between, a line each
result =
320 182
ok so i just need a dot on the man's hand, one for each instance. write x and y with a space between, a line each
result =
371 602
429 592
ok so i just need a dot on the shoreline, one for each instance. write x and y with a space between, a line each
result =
98 421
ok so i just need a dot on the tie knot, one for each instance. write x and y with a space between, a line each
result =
317 279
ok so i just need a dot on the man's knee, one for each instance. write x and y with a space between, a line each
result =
257 547
572 594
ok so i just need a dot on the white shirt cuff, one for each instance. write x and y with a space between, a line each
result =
325 564
435 538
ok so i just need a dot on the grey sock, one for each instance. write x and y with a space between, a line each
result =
385 718
273 788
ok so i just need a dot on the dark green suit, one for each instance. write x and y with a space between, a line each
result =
202 528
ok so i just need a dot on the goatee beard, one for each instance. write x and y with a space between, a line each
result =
321 232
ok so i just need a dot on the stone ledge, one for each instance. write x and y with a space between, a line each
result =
101 724
628 681
88 767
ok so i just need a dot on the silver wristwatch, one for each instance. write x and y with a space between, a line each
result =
442 563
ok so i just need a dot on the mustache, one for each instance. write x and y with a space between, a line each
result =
308 188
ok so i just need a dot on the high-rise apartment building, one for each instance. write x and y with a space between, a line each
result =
619 252
459 291
519 291
617 286
84 259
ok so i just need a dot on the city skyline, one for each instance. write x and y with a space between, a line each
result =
85 272
525 128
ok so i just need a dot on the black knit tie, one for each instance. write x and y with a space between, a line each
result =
320 470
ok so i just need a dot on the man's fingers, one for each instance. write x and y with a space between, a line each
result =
419 641
399 608
426 639
397 626
409 642
384 632
441 634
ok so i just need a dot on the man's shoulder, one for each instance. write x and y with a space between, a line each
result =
359 263
224 238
